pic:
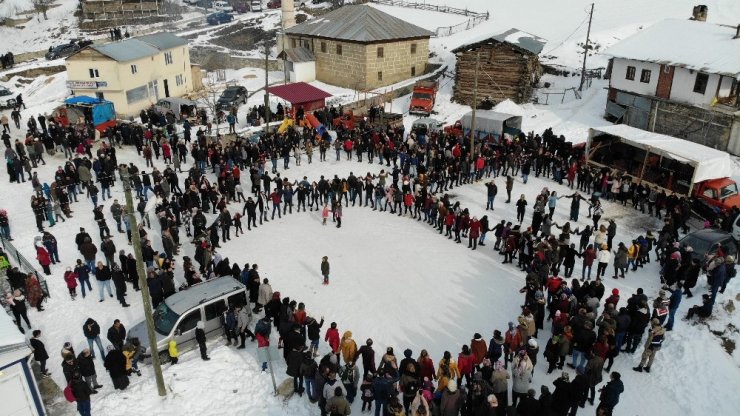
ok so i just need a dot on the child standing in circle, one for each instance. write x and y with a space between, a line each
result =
325 269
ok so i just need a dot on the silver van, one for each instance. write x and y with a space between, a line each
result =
177 315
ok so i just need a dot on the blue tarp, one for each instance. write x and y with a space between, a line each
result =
83 99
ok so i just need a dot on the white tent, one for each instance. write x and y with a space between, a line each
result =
708 163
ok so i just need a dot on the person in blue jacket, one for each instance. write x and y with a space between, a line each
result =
609 397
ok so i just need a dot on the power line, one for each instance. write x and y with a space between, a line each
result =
585 19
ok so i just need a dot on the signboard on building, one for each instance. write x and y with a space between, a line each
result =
82 85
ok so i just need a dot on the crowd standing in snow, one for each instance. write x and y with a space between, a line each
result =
417 172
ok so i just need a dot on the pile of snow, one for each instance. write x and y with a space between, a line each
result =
509 107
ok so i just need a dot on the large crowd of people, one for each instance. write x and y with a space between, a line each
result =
413 176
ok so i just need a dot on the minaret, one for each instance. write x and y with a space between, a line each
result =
288 9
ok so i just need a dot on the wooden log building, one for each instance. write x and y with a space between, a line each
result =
509 67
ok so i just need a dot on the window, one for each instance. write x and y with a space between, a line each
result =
380 75
189 321
134 69
239 299
323 47
214 310
339 48
631 73
137 94
645 76
413 71
168 58
380 52
700 85
292 43
93 73
179 80
413 48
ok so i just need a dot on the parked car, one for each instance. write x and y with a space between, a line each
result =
224 6
177 316
219 17
190 2
232 96
4 91
256 5
706 241
61 51
241 7
274 4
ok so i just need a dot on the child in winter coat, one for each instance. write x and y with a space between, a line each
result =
70 278
325 267
332 337
367 392
172 348
325 214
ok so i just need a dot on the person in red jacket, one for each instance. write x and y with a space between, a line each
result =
512 343
408 202
449 222
474 233
44 260
613 299
70 277
465 364
276 198
479 348
588 260
332 337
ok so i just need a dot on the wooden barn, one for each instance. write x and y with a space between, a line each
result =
509 67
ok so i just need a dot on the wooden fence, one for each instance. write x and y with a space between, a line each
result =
475 17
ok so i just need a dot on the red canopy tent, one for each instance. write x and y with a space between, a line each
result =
301 94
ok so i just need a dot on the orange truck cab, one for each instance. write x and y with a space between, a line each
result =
423 97
720 193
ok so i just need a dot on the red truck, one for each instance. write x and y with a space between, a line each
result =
422 99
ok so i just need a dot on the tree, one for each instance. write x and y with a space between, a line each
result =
209 95
42 6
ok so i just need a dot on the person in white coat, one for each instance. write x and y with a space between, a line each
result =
264 293
243 320
521 375
604 256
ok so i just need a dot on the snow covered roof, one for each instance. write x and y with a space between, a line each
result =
13 345
690 44
519 38
708 163
359 23
139 47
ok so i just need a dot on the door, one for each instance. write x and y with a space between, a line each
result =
166 88
186 326
214 312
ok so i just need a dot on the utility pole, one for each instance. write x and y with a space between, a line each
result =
136 242
267 84
475 104
585 49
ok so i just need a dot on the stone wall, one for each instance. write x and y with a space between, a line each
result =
358 65
396 62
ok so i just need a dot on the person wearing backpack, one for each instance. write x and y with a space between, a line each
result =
350 376
79 391
308 372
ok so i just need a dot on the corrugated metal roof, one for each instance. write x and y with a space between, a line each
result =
300 54
298 92
163 40
127 50
359 23
139 47
519 38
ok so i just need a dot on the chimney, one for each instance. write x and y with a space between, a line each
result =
288 14
699 13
